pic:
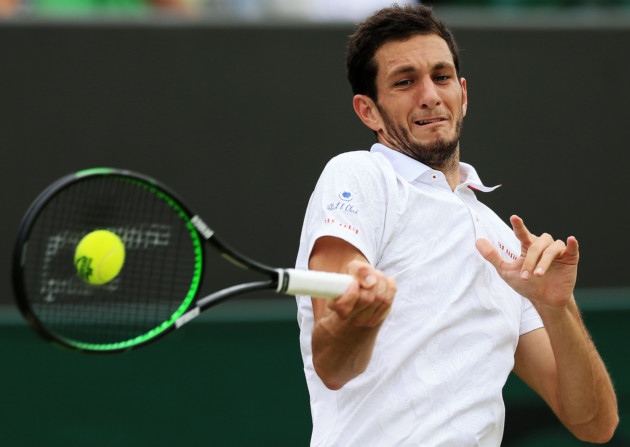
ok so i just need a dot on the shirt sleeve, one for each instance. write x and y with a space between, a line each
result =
351 201
530 319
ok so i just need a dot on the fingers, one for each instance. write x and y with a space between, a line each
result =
521 232
490 253
573 248
365 274
368 300
540 252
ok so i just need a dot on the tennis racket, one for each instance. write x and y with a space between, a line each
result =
157 287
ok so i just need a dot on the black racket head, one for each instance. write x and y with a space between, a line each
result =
159 279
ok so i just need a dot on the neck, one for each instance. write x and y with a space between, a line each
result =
451 172
450 169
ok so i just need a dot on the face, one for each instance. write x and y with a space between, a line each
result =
421 102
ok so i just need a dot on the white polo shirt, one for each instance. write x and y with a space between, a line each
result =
447 347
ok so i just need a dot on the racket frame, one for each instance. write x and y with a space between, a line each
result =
284 281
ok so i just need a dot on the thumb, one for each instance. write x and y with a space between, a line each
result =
489 253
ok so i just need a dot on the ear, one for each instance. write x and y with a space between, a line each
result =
366 110
463 83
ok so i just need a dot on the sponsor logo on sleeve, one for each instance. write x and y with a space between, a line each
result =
343 204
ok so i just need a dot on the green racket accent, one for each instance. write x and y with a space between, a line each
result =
156 291
160 278
194 285
94 171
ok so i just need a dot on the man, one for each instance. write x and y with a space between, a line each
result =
447 299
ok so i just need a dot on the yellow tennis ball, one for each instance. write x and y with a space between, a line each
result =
99 257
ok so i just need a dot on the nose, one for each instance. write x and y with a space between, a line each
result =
428 96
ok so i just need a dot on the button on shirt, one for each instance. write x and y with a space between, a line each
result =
444 352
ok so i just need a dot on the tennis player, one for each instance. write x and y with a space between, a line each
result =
448 299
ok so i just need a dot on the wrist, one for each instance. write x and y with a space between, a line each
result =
557 310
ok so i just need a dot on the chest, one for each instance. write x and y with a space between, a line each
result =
440 227
444 284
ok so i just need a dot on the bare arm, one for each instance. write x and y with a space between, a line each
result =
560 362
346 328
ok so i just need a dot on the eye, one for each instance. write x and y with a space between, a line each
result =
403 83
442 78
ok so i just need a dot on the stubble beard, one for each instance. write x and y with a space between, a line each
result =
441 154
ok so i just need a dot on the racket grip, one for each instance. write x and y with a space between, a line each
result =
314 283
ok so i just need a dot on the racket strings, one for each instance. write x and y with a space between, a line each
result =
155 278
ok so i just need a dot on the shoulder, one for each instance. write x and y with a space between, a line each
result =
364 157
363 164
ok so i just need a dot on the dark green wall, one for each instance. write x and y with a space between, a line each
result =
223 384
240 121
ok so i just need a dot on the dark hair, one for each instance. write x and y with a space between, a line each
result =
389 24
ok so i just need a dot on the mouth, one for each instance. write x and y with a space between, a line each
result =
429 121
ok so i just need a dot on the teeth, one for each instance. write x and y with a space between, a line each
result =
422 123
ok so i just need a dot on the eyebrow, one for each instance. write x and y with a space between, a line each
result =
440 65
402 70
443 65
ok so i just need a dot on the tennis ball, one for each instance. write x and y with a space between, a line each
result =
99 257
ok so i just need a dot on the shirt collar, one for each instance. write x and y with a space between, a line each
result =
412 170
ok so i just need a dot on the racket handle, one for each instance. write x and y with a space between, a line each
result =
314 283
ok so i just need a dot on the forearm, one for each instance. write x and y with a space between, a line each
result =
345 329
341 350
586 401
